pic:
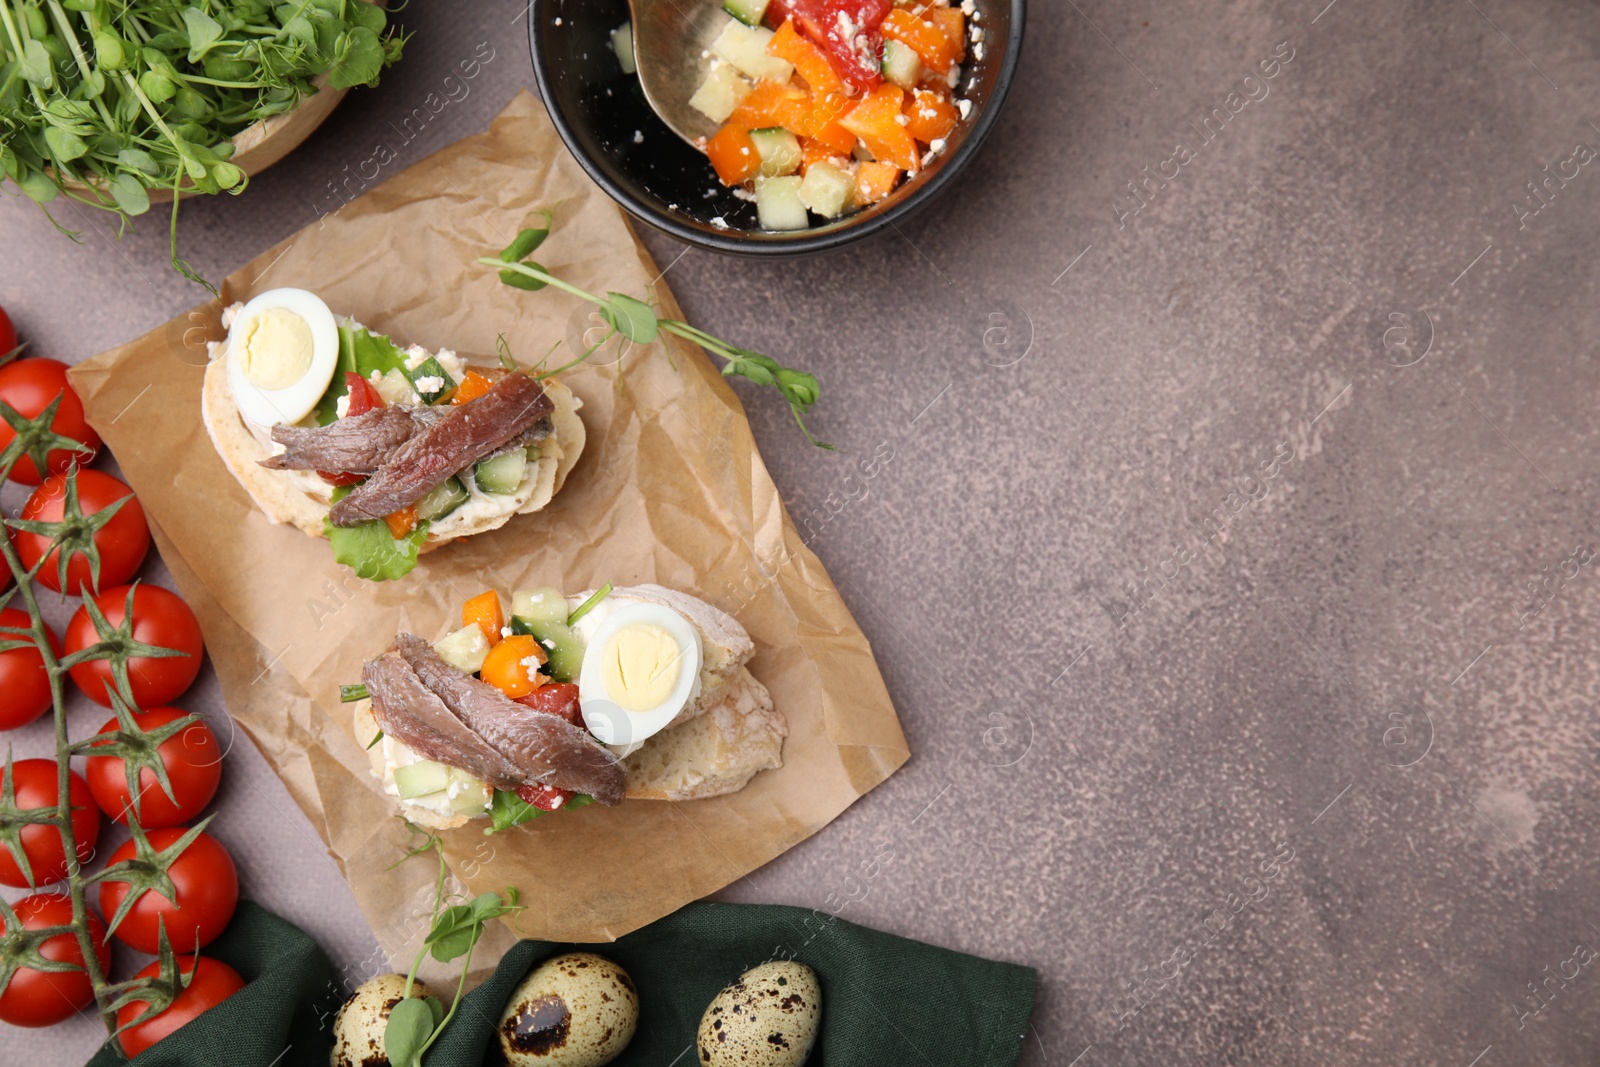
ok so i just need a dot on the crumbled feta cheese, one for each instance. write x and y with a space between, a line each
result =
935 146
953 79
964 106
531 664
638 137
743 193
977 53
416 356
451 363
431 384
375 377
905 120
968 8
558 20
341 407
720 223
505 631
977 33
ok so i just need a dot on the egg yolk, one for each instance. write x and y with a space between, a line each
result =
641 665
276 349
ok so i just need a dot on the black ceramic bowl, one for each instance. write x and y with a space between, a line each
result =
603 117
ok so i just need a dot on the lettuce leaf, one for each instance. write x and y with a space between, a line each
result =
508 810
371 550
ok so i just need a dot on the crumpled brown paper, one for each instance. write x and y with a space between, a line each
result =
670 489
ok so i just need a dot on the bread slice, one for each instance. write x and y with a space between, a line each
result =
301 499
725 736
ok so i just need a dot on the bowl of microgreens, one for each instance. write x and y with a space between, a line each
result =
122 105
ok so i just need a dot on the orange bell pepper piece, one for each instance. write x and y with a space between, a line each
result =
473 385
772 104
734 155
931 117
925 38
484 612
815 151
876 120
953 24
507 668
402 522
809 61
838 139
875 181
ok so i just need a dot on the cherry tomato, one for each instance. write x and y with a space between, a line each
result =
35 783
28 386
161 619
194 768
8 333
24 683
207 886
44 998
849 31
211 983
558 699
122 542
544 797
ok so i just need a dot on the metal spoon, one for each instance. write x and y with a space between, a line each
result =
668 39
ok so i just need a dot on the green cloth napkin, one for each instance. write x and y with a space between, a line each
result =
885 999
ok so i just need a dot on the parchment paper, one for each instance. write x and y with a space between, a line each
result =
670 489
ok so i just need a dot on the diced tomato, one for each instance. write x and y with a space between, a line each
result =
809 61
338 479
922 36
484 612
953 24
876 120
473 385
560 699
875 181
853 43
402 522
771 104
544 797
507 667
930 116
734 155
363 397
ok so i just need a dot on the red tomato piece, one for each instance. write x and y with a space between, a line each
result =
122 543
44 998
35 784
24 682
207 886
28 386
363 397
560 699
193 762
850 32
211 982
543 797
161 619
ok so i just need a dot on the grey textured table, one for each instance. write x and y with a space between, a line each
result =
1200 570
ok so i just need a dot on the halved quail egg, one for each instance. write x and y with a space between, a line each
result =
283 347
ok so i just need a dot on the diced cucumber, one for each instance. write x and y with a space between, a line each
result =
826 189
779 151
901 64
502 474
472 798
749 12
431 381
442 499
746 48
622 41
421 778
395 388
564 647
778 204
539 605
720 93
465 649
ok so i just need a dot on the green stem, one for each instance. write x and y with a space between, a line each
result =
540 275
438 899
78 56
69 845
461 985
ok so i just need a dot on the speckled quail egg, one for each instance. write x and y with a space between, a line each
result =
768 1018
574 1010
358 1028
